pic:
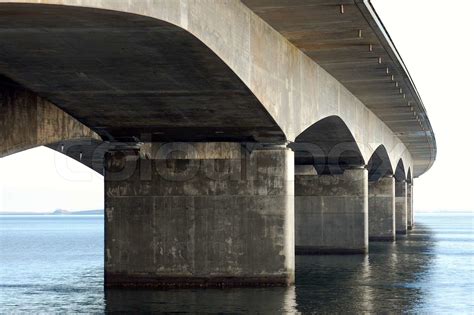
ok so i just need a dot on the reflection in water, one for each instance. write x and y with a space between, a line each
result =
272 300
383 281
387 280
55 264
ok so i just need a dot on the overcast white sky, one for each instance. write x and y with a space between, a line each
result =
42 180
436 41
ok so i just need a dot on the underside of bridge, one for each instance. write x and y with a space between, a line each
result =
348 39
213 177
129 78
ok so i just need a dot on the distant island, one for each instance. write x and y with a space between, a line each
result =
67 212
58 212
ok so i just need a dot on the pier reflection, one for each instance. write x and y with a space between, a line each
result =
386 280
235 300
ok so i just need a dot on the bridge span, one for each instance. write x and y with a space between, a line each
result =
232 134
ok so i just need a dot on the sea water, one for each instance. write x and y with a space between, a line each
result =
55 264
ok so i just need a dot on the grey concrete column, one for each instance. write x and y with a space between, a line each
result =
401 207
331 213
409 206
382 209
215 215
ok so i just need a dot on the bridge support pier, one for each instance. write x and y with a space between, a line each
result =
202 214
410 214
382 209
401 207
331 213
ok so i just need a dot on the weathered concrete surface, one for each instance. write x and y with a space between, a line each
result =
28 121
354 47
331 213
401 207
203 214
89 152
291 87
209 70
410 212
382 209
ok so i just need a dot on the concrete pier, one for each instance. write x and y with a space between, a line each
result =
202 214
401 206
231 80
410 214
382 209
331 213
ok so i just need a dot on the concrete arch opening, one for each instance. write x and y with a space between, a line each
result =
329 146
410 208
401 199
409 176
400 174
41 180
379 164
381 197
330 191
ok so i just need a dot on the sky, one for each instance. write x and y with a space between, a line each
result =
43 180
435 40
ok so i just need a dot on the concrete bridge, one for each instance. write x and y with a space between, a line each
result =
229 132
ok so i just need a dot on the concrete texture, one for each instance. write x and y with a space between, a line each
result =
216 213
202 214
235 65
354 47
410 212
331 213
401 207
213 213
28 121
382 209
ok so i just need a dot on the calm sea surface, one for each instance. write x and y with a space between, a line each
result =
55 263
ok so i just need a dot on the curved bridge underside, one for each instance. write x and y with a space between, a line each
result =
28 121
139 71
111 83
128 77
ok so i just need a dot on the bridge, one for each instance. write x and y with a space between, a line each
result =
232 134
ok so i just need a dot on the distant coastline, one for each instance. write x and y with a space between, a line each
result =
101 212
58 212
